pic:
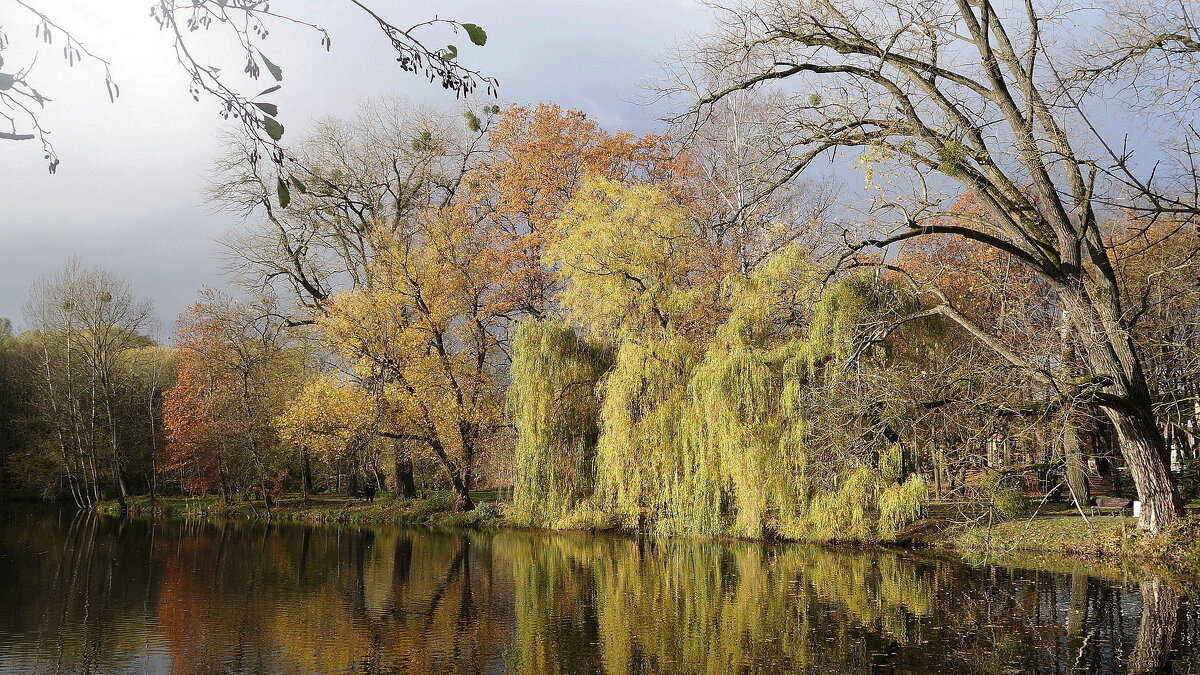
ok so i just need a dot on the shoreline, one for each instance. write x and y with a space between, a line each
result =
432 510
1058 537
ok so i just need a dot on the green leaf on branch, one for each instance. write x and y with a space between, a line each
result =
450 53
300 187
269 108
273 127
285 195
276 71
477 34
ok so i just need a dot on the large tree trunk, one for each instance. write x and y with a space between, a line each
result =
1143 449
1112 353
460 480
406 486
462 492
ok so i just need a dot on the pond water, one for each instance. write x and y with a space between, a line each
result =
87 594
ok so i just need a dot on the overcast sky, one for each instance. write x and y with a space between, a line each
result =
128 195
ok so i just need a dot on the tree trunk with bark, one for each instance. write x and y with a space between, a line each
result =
406 487
1124 394
1143 449
1077 481
306 485
460 486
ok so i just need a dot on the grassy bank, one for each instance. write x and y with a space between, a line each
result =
432 510
1058 531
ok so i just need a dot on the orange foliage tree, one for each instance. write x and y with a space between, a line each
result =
236 371
196 410
539 157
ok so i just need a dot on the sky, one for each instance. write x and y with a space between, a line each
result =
129 193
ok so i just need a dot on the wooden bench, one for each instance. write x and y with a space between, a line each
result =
1114 505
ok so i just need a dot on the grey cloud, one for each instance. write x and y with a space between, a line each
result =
129 193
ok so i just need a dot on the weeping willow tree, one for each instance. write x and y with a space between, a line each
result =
680 432
556 411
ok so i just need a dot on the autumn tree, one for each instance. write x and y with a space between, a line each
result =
370 179
236 372
538 157
335 419
198 412
429 332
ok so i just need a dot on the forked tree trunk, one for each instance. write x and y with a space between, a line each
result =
1112 353
460 480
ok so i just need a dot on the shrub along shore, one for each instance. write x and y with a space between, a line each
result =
436 509
1055 534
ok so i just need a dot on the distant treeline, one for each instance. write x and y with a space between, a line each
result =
626 332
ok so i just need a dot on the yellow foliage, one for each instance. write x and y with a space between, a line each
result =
424 337
327 415
626 252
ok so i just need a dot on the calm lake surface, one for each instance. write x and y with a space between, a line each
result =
88 594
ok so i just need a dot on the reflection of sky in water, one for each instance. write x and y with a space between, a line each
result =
88 594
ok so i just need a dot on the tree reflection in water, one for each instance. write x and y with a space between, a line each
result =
83 594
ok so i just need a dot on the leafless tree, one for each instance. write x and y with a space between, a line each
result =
87 321
1146 54
366 176
941 98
